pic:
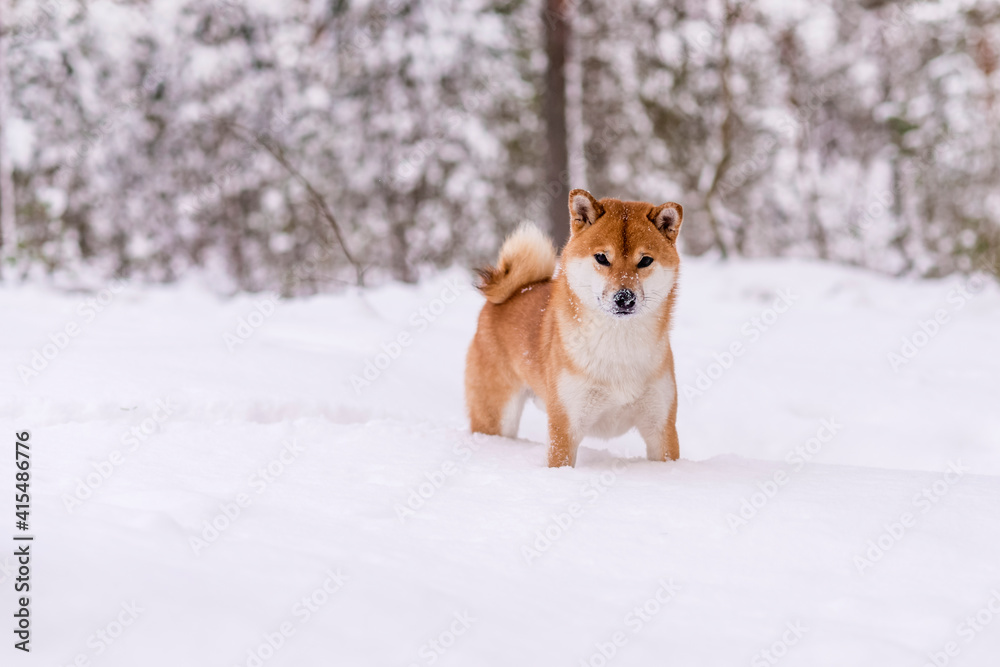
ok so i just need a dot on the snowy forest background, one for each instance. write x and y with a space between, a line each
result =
299 145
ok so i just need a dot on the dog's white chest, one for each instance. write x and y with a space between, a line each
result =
620 383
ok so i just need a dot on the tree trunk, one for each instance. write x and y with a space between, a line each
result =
556 20
8 225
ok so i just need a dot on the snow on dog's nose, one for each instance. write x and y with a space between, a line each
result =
624 301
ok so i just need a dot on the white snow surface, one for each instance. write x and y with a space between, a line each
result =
875 551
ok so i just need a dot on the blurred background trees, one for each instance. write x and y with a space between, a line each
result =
247 139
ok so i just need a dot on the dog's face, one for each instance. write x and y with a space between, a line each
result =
622 255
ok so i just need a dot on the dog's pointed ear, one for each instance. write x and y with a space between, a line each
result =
584 210
668 218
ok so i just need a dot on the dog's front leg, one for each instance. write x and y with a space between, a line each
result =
563 442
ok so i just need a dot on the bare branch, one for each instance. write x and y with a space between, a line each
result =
279 154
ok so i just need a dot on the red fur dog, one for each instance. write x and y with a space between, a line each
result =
590 340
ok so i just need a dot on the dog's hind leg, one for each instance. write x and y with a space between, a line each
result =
659 430
495 396
497 411
510 416
662 443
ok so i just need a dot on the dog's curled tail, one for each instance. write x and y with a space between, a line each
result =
527 256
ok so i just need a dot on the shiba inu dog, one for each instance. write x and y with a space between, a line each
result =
589 340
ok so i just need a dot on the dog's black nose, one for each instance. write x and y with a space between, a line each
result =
624 300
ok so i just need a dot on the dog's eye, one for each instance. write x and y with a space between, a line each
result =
644 262
602 259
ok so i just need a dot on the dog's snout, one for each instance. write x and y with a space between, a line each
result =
624 300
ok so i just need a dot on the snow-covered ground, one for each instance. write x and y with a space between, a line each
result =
837 501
